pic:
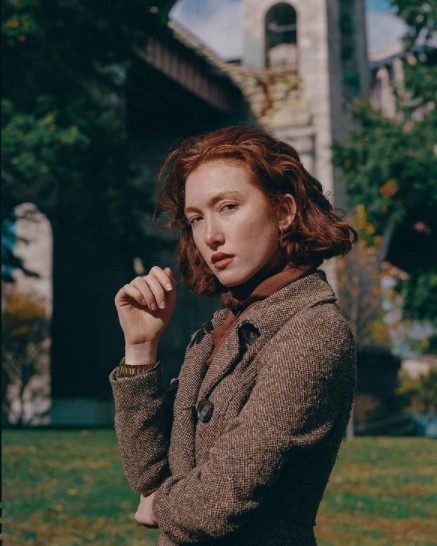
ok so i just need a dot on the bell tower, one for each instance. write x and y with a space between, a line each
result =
303 62
281 37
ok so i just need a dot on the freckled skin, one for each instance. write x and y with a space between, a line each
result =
230 214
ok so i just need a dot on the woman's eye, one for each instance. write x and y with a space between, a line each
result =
194 220
229 206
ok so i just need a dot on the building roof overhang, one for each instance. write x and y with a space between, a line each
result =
173 70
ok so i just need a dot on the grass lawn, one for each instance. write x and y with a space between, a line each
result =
66 488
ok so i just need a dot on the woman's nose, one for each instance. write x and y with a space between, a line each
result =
213 234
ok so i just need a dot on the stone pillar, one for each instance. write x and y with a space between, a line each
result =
86 339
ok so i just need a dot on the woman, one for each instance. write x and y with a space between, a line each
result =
243 455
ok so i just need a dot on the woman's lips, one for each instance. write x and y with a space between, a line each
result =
220 260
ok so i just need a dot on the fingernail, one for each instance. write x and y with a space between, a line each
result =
153 307
162 305
168 287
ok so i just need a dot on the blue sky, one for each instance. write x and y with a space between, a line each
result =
218 23
377 5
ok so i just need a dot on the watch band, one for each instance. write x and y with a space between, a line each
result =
129 370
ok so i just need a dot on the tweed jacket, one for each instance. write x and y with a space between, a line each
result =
249 466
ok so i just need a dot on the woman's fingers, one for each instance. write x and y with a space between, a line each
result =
133 293
145 306
148 296
163 277
170 276
154 287
152 290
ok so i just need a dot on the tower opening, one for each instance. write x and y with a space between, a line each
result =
281 36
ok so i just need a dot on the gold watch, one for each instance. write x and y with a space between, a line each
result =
129 370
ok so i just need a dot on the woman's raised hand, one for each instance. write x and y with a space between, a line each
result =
145 306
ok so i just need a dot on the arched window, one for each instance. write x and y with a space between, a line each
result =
281 36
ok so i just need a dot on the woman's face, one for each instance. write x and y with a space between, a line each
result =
234 224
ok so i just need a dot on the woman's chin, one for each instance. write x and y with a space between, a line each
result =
230 279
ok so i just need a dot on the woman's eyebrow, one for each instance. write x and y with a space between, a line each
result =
215 199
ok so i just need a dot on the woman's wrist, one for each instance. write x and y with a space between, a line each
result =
141 353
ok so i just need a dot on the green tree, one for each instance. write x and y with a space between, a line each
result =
389 165
64 144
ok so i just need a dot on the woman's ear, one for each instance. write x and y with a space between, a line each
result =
287 210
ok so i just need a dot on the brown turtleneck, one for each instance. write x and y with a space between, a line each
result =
240 298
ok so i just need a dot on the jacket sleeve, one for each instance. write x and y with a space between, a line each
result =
142 425
301 388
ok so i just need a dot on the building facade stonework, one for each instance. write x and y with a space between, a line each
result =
303 99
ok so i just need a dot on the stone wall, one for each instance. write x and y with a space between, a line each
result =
307 108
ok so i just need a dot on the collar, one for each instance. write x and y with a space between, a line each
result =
238 298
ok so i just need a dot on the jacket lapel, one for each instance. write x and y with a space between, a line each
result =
190 379
260 323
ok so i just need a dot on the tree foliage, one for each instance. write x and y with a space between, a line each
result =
389 165
358 284
25 331
64 145
419 394
420 17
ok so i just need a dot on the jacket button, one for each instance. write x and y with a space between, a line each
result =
174 383
204 410
249 333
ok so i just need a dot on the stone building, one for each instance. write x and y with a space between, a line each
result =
303 62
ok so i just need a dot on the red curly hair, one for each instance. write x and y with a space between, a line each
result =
317 232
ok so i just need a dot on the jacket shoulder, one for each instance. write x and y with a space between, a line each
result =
317 337
321 322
